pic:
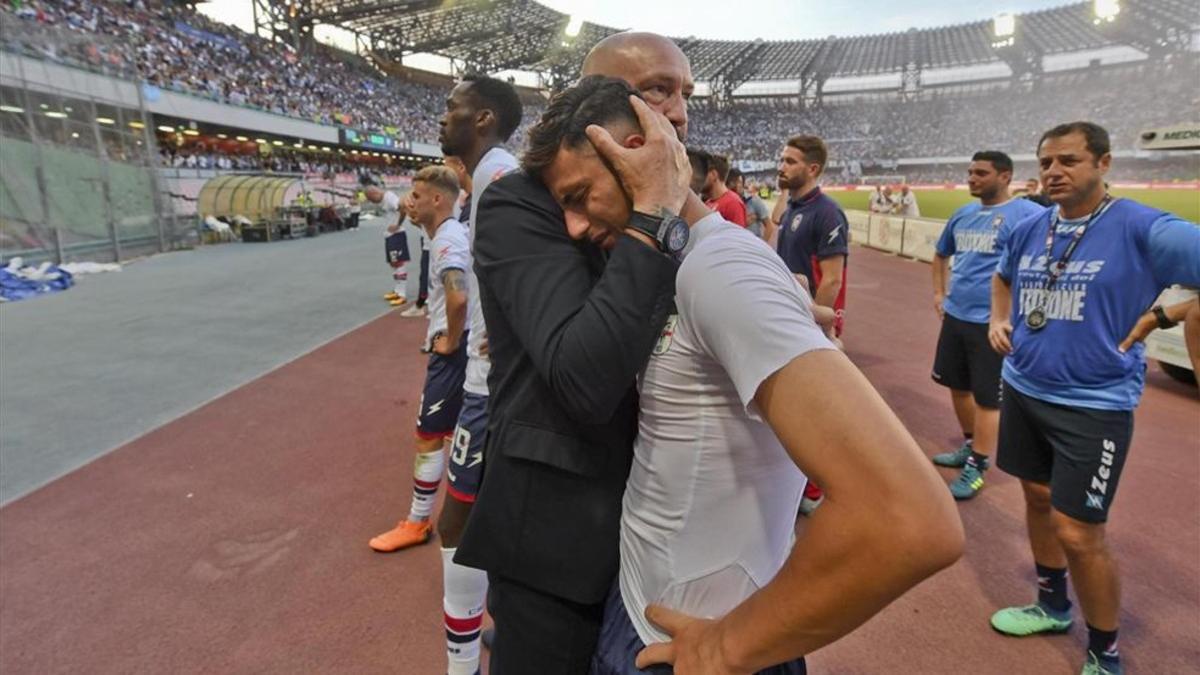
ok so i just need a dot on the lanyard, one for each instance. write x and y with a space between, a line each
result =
1055 270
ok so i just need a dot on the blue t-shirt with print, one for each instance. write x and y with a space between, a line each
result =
974 235
1128 255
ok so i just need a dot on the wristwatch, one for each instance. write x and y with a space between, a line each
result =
1161 315
669 231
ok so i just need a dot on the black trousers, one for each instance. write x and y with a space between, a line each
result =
538 633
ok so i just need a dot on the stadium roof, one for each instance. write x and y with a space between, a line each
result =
494 35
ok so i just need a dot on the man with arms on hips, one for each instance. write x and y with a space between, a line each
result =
569 327
1069 286
481 114
435 190
813 240
737 382
964 361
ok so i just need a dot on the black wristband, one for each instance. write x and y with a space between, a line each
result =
1160 314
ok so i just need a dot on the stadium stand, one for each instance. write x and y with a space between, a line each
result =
168 45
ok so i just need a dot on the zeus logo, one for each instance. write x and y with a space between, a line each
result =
1103 473
435 407
833 235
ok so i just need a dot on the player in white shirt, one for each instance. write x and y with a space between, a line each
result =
725 435
435 189
395 242
481 114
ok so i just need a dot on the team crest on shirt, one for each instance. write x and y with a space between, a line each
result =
796 221
998 220
666 336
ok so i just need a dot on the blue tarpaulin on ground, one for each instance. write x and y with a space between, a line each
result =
15 286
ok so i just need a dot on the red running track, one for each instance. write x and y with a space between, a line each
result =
233 540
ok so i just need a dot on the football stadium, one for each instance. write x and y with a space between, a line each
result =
658 307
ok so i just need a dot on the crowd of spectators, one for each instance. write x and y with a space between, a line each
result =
278 161
169 45
1006 116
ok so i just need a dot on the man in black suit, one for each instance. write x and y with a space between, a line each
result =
569 327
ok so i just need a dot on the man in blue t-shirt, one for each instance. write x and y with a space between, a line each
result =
1070 284
964 361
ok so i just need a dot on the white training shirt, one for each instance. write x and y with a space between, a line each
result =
494 164
908 205
710 504
448 250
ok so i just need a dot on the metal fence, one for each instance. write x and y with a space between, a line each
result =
78 175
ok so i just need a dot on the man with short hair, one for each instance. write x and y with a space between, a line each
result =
481 115
757 213
906 203
717 196
718 400
964 360
813 240
878 203
569 328
395 243
434 193
1033 192
1069 286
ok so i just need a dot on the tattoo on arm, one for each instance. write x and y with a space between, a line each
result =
454 280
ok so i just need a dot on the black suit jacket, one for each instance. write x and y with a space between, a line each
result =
568 331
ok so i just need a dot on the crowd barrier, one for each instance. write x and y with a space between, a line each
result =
911 237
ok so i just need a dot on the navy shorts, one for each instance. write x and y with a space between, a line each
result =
442 397
395 248
965 361
466 453
1078 452
619 644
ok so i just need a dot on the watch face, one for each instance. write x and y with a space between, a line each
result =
677 235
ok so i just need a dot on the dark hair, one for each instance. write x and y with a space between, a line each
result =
701 160
595 99
501 98
813 148
1000 161
732 176
1095 135
721 164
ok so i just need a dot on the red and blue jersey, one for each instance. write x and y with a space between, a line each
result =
812 229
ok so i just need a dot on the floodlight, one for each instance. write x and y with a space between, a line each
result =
1004 25
574 26
166 129
106 120
190 132
241 139
11 109
134 124
55 114
1106 10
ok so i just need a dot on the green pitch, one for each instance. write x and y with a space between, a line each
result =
940 204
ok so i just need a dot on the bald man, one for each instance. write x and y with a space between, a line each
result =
569 327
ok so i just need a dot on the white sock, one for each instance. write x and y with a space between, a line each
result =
427 475
465 590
